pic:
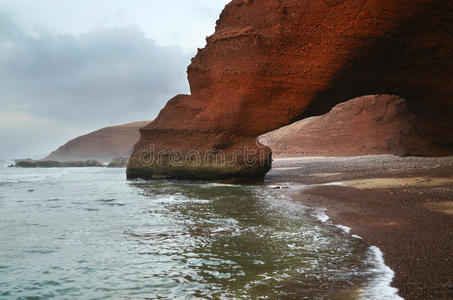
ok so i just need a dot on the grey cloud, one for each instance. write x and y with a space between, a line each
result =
107 76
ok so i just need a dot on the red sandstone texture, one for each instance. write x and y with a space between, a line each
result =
375 124
273 62
104 144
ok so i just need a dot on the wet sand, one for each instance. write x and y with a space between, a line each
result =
404 206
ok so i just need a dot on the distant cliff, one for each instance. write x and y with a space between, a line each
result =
103 144
376 124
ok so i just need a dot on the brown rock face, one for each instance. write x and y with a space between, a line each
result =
104 144
375 124
273 62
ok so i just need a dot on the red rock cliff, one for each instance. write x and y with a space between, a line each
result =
103 144
273 62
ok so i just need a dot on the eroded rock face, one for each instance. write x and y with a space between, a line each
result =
375 124
273 62
103 144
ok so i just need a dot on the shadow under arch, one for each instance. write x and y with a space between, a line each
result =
409 61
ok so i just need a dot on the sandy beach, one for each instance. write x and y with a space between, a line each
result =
404 206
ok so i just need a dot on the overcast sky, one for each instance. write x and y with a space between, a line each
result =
69 67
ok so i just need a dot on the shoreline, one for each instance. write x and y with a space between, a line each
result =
400 205
381 285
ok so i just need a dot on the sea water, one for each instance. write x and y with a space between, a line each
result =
88 233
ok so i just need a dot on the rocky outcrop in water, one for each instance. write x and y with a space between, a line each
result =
57 164
104 144
375 124
274 62
119 162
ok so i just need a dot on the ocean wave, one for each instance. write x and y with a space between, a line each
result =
5 163
19 176
380 287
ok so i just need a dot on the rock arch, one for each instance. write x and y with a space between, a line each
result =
272 62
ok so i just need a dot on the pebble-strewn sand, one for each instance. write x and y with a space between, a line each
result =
445 207
384 183
404 206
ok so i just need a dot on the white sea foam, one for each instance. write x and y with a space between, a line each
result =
380 287
215 184
333 183
32 175
5 163
320 214
344 228
357 237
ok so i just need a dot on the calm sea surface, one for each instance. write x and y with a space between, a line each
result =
88 233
